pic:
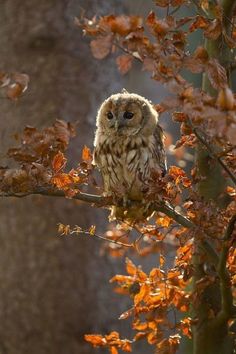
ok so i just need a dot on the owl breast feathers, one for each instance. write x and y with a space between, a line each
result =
128 147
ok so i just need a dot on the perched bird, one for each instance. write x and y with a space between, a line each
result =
128 148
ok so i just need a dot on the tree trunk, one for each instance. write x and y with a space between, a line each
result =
53 289
211 335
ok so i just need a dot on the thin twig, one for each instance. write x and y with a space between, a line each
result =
87 233
203 140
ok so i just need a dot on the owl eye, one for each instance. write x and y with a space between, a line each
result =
109 115
128 115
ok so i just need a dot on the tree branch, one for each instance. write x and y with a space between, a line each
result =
212 154
100 201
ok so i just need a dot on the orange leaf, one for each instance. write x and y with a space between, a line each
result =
62 180
175 172
113 336
86 154
162 260
95 339
130 267
126 347
164 221
58 161
144 290
113 350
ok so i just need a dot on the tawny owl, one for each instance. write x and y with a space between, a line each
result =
128 148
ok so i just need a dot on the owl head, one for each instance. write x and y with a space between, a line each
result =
126 114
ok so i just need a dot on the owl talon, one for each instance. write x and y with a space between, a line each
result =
126 202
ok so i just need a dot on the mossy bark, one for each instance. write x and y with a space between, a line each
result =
211 334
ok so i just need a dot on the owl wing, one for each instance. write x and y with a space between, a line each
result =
159 152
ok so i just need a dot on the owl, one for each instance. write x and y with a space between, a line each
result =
128 148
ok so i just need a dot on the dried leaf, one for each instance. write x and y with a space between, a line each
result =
162 3
14 91
199 23
130 267
101 46
95 339
62 180
144 290
87 155
216 74
214 30
92 230
58 161
113 350
162 260
124 63
225 99
164 221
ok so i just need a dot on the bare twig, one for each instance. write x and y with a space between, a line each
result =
87 233
201 137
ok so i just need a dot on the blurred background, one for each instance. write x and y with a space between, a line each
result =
54 289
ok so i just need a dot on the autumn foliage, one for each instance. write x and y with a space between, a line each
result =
194 294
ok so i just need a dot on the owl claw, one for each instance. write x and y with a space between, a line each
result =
126 202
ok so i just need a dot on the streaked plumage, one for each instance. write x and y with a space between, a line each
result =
128 147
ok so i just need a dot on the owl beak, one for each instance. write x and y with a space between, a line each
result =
119 121
116 125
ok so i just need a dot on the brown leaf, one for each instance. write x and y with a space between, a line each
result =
176 172
179 117
101 46
229 40
22 79
58 161
124 63
216 74
214 30
175 3
201 54
126 346
4 79
157 27
113 350
122 25
162 3
14 91
95 339
149 64
86 155
144 290
225 99
130 267
62 180
200 22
